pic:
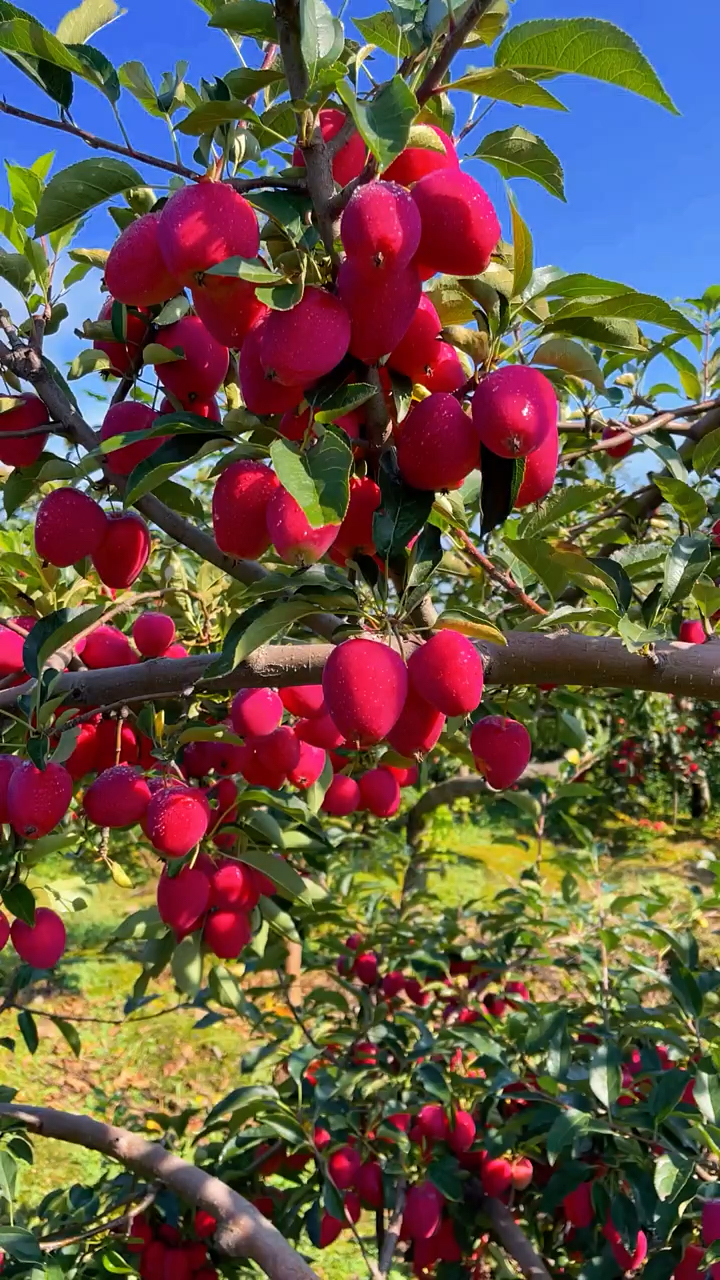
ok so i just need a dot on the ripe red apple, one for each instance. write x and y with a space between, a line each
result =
182 900
496 1176
204 1224
228 308
255 712
381 224
27 411
309 767
68 526
414 162
152 633
303 699
578 1206
106 646
392 984
279 750
120 419
540 471
209 409
501 748
423 1211
4 930
201 370
438 446
690 1265
618 450
445 371
381 302
8 765
349 161
514 409
42 943
406 777
105 745
459 225
448 673
117 798
175 820
330 1229
415 353
227 933
380 792
239 508
433 1122
233 887
692 631
369 1184
522 1173
11 652
123 356
124 550
710 1221
342 796
365 685
626 1261
303 344
135 272
355 535
462 1132
365 968
203 224
417 730
343 1166
38 799
291 533
261 393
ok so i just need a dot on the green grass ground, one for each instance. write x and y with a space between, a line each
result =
129 1069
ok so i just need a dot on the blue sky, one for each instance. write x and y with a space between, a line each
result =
643 186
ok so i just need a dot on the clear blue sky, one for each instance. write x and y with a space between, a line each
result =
643 186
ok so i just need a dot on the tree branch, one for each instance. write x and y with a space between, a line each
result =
171 166
452 44
392 1235
242 1231
513 1240
503 577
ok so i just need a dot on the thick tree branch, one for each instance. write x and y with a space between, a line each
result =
514 1241
626 433
452 44
392 1234
528 658
242 1231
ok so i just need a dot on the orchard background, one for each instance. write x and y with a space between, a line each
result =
358 680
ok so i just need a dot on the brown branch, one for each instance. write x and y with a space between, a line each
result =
514 1241
503 577
342 198
104 144
392 1235
242 1231
625 434
452 44
310 140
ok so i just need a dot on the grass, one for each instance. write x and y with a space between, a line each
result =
128 1069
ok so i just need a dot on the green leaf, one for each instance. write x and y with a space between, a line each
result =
69 1034
506 85
685 561
686 501
186 964
206 117
257 626
79 24
53 632
246 18
522 249
25 36
606 1073
628 306
350 396
402 513
171 457
315 794
8 1176
246 81
279 920
317 478
28 1030
20 902
98 70
20 1244
689 377
81 187
559 505
321 36
707 1095
563 353
15 268
501 480
384 122
517 153
568 1126
382 30
252 269
539 557
671 1173
610 333
289 883
706 455
581 285
582 46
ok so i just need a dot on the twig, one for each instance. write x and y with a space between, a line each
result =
392 1234
103 1022
452 44
626 433
502 576
294 1011
100 1228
